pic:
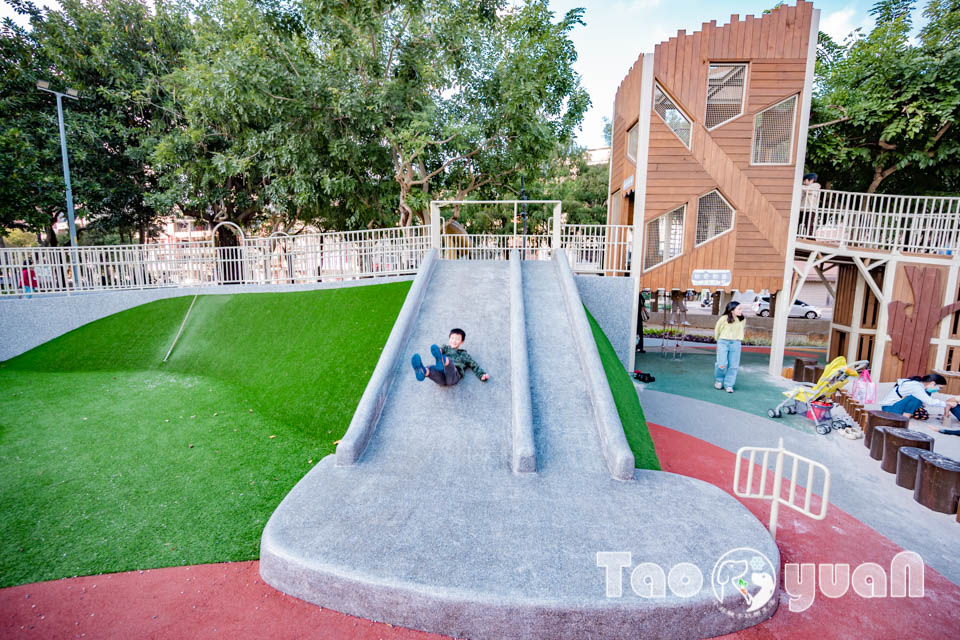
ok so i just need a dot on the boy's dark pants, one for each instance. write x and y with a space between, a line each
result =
446 378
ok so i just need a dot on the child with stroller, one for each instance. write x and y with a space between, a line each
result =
910 396
452 361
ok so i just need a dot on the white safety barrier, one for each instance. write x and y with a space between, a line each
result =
297 259
912 224
775 494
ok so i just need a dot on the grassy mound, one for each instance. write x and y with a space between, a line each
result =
111 460
628 404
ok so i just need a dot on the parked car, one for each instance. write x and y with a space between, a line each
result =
800 309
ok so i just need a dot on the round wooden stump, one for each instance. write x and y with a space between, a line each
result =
876 445
809 373
894 439
907 459
878 418
937 486
798 366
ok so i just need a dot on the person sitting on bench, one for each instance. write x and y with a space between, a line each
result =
451 362
910 394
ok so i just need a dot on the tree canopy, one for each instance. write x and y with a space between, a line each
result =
281 112
885 105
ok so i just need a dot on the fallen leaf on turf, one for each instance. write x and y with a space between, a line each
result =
337 441
190 446
84 418
273 436
214 413
308 462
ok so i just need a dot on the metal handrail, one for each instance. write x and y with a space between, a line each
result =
910 224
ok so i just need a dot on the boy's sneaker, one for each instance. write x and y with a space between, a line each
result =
418 367
718 385
435 350
729 389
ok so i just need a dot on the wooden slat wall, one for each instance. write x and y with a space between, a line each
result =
626 106
775 47
846 290
954 321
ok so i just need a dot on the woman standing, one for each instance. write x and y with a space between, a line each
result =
729 335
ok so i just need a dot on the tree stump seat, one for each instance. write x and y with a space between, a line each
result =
876 445
798 366
894 438
937 486
877 418
809 374
907 459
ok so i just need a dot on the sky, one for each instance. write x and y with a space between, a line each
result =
618 31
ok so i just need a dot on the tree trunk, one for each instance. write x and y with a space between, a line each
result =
52 235
143 231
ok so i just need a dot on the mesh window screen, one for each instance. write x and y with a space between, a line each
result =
633 138
671 114
725 83
664 238
773 133
714 216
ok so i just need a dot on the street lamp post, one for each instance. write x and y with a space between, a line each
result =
73 94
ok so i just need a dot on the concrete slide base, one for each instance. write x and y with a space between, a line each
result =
508 556
432 530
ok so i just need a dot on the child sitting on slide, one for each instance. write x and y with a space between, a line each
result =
451 362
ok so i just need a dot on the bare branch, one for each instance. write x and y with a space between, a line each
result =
289 61
827 124
393 47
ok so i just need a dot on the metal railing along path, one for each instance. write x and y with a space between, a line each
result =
278 259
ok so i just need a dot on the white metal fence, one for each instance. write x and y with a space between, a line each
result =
773 491
279 259
914 224
285 259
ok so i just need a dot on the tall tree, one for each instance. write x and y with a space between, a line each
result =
463 93
115 53
885 107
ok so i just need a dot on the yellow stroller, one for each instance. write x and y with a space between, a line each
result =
814 399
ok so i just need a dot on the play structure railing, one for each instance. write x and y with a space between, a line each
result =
910 224
294 259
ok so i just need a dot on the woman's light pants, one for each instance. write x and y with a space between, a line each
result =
728 362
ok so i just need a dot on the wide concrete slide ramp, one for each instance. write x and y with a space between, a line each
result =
479 510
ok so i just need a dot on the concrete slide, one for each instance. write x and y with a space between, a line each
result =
479 510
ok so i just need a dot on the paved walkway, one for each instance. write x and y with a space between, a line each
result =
230 600
859 486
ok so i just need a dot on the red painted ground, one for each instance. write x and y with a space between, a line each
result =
231 601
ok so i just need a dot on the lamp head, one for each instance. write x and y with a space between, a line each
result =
43 84
73 93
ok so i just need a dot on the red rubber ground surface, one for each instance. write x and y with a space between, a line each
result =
231 601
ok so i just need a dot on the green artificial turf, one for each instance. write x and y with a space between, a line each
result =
111 460
628 404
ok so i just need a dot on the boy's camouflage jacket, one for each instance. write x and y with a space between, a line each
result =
461 360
